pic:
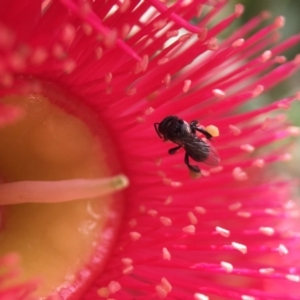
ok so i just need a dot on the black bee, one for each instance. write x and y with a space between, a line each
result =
184 135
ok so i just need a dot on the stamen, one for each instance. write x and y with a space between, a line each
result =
59 191
114 286
165 221
166 254
127 270
212 44
132 223
246 297
184 38
267 231
193 219
198 296
134 235
127 261
187 85
218 93
292 277
152 212
239 174
240 247
238 43
222 231
201 210
235 130
244 214
226 266
190 229
282 250
258 163
247 147
235 206
266 271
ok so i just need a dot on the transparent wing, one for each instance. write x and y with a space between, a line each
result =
201 151
213 158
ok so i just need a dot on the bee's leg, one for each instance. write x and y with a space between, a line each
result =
194 123
173 150
187 162
156 129
206 133
193 126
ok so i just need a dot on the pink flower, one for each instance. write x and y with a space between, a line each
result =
231 234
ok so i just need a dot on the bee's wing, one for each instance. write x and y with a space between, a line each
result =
196 146
213 158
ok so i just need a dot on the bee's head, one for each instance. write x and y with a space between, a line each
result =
165 123
169 126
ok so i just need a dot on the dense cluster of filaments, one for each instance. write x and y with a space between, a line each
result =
231 233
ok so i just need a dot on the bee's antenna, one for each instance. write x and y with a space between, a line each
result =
156 129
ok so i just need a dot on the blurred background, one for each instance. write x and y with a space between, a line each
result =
290 9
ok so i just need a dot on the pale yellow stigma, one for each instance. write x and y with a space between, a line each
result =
60 191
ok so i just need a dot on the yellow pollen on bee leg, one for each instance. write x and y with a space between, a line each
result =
195 175
213 130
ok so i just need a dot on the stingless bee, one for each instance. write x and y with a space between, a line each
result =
184 135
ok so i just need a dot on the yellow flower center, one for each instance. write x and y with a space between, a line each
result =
48 144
